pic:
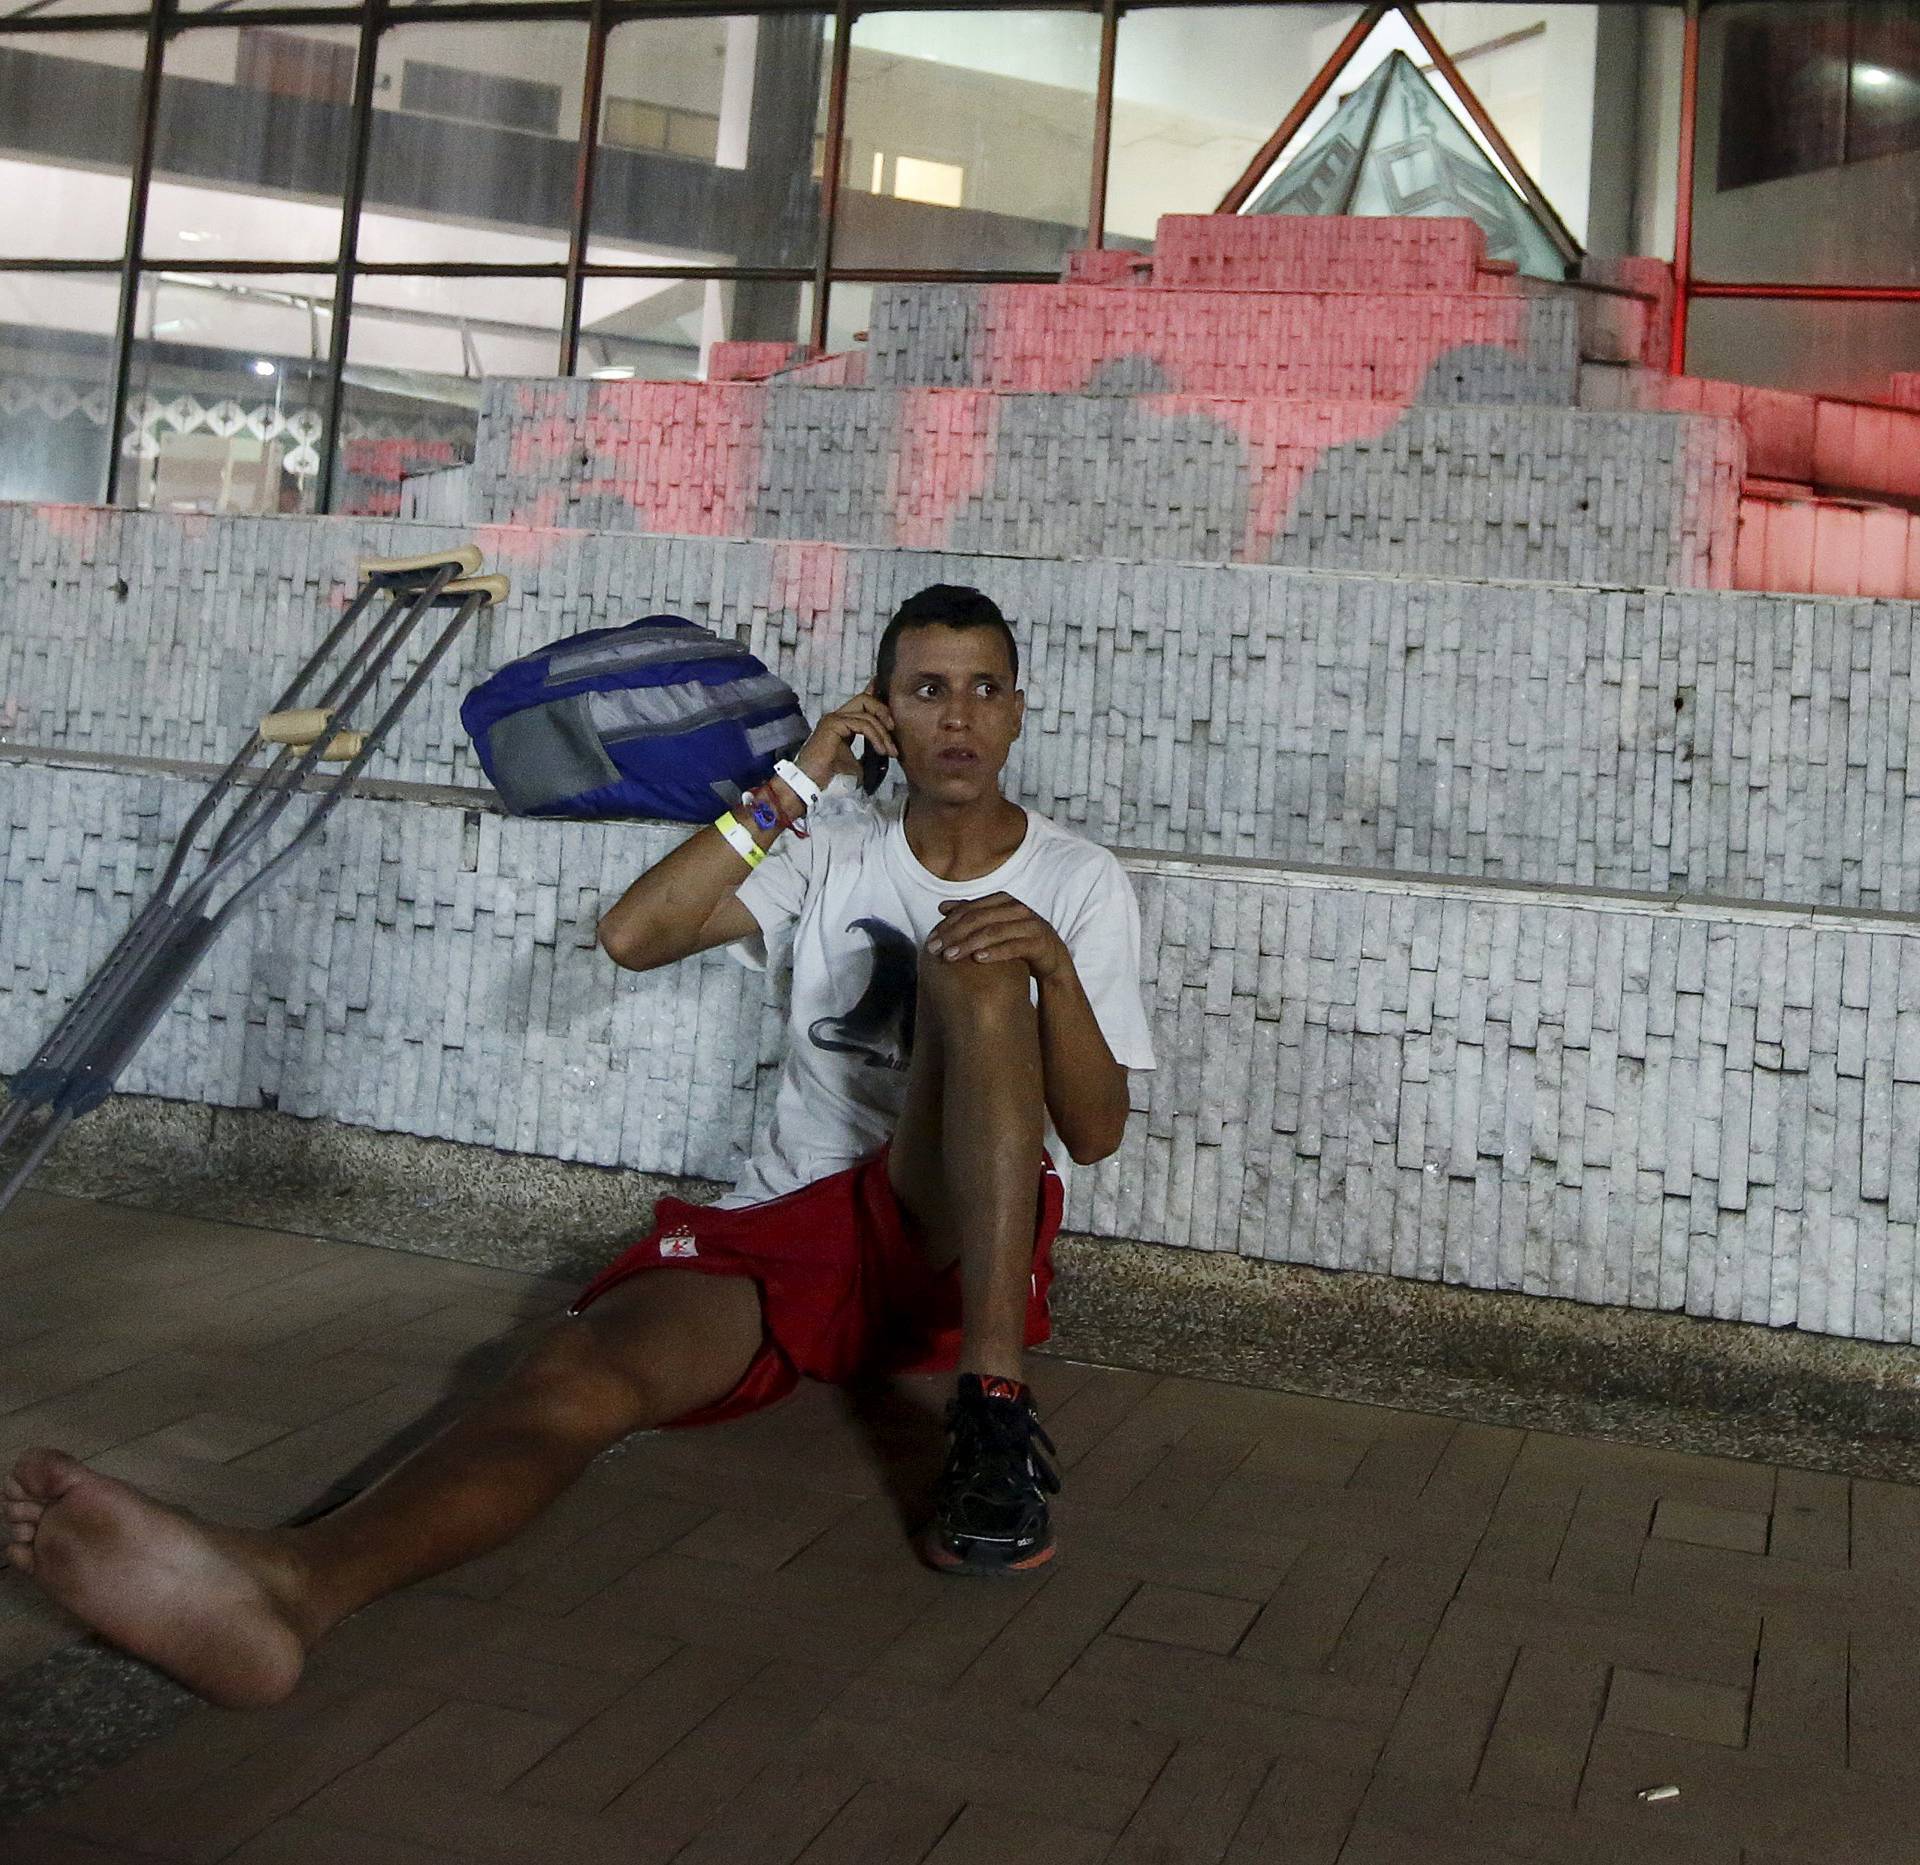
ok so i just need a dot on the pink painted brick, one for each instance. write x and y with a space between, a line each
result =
1833 445
1790 547
1750 555
1883 551
1779 428
1106 266
1836 549
1282 252
751 362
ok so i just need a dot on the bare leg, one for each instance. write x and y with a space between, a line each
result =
232 1613
966 1156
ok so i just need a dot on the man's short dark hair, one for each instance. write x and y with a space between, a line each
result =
942 605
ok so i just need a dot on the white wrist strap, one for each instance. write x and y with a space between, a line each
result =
798 782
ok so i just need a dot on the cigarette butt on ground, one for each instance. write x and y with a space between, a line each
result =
1660 1793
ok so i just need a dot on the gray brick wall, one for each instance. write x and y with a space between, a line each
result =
1685 1108
1472 491
1748 745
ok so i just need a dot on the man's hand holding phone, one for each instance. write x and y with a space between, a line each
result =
829 752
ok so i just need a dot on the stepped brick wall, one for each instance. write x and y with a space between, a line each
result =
1588 1097
1560 935
1527 492
1682 743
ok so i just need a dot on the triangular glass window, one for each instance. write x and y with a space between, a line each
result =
1395 147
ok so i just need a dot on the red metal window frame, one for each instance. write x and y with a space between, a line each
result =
1687 288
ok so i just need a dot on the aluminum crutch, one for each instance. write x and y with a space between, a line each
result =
121 1005
408 584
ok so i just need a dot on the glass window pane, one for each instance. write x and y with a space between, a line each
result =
1529 66
1809 152
250 154
1883 94
227 393
418 353
68 103
708 149
474 134
994 123
1196 91
56 368
849 312
1835 349
664 329
1786 114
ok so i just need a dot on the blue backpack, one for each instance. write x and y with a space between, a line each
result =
660 717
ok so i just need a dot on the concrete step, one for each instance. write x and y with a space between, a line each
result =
1821 442
1446 490
1670 741
1687 1106
1361 345
1294 252
1793 537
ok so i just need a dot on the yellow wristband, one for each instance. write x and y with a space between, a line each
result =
744 845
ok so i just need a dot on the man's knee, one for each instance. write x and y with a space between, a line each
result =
579 1386
967 990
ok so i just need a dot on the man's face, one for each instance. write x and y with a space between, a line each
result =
955 710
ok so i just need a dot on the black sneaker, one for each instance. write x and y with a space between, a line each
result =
990 1508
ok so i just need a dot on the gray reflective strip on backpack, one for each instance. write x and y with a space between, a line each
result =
664 711
640 647
548 754
778 736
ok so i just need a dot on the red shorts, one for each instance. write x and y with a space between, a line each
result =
845 1287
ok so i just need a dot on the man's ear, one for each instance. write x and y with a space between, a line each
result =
1019 712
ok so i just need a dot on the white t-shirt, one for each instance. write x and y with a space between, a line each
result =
851 906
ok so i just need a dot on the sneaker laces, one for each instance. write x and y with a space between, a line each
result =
992 1454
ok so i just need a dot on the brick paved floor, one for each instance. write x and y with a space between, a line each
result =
1282 1628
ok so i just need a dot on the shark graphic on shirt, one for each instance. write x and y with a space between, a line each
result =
879 1026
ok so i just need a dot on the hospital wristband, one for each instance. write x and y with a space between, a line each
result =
744 845
798 782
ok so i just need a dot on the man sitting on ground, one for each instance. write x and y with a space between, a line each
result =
965 1002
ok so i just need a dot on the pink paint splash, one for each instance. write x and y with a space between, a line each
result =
943 457
808 582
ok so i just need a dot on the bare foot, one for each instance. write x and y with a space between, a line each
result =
213 1607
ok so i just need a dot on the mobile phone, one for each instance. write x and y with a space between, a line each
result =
873 764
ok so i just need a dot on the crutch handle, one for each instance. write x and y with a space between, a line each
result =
299 727
465 558
488 588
